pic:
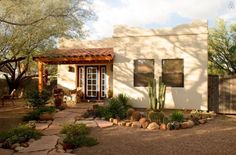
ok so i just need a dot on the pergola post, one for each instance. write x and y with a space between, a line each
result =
40 78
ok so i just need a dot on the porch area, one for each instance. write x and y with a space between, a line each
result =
85 74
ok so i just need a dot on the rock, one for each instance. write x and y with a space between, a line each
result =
111 120
103 124
59 146
44 143
136 124
6 151
145 124
90 124
195 121
153 126
128 124
187 124
176 125
142 120
24 144
46 116
170 126
103 118
31 140
69 151
97 118
136 115
130 112
13 146
163 127
202 121
209 119
122 123
19 148
60 140
115 121
60 150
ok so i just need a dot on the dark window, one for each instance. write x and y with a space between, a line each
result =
173 72
71 69
143 72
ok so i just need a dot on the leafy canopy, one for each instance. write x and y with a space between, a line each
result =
222 48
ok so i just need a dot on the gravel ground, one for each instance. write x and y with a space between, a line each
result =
216 137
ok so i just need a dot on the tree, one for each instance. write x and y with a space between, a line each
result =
30 27
222 48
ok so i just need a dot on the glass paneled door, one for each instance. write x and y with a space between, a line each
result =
91 82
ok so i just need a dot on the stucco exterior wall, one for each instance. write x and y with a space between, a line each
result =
66 79
188 41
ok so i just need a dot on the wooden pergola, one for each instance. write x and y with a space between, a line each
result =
72 56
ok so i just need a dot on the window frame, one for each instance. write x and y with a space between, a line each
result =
182 73
135 73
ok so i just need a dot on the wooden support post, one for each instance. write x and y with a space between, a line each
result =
40 78
99 83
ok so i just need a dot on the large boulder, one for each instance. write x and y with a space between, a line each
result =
142 120
163 126
153 126
136 115
188 124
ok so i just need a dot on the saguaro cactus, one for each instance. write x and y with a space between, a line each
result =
152 94
153 100
161 94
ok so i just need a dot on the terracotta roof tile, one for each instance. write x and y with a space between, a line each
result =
63 53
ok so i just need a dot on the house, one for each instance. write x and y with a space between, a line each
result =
126 62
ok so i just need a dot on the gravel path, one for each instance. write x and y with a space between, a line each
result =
216 137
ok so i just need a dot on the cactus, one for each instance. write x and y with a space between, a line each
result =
153 101
152 94
161 94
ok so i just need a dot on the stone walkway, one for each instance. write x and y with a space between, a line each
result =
50 143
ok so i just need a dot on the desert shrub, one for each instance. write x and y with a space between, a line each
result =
19 134
38 99
75 129
76 136
78 141
156 116
35 114
102 111
116 107
177 116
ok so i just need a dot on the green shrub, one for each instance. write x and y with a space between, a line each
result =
177 116
102 111
156 116
76 136
38 99
35 114
78 141
19 134
75 129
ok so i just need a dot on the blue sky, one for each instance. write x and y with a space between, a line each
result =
156 13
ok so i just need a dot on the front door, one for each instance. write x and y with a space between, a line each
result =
91 82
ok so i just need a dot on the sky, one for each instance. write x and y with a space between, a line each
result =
156 14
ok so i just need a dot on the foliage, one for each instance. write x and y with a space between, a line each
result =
102 111
25 33
35 114
177 116
222 48
75 129
76 136
155 116
19 134
38 99
118 106
153 100
78 141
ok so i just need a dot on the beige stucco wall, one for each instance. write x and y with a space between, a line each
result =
188 41
66 79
